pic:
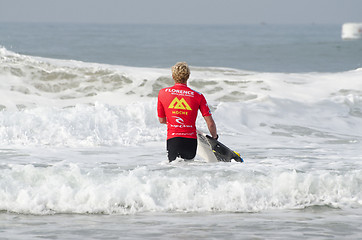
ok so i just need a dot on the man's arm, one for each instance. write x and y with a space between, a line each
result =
211 125
162 120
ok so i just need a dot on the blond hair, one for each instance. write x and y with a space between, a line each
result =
180 72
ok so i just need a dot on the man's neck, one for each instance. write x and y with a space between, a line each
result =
182 84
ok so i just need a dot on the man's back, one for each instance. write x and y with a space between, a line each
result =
180 105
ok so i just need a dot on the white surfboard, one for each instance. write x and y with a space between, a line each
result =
204 148
212 150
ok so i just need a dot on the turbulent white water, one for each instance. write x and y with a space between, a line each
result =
82 137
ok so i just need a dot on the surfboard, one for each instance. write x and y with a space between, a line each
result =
212 150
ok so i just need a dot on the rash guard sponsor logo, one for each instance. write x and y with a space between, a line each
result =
179 120
183 134
181 126
180 92
179 112
179 104
181 123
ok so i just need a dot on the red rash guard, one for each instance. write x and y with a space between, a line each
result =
179 105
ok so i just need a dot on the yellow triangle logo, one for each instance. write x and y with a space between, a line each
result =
179 104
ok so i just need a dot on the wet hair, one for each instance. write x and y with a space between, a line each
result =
180 72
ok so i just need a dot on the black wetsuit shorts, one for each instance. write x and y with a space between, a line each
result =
184 148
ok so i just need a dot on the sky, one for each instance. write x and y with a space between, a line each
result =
183 11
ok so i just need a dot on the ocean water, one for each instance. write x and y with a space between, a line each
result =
83 155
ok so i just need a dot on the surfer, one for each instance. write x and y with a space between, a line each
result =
178 107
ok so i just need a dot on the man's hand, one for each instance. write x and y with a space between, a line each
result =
162 120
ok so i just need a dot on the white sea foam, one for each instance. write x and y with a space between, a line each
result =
57 102
299 133
36 82
65 188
